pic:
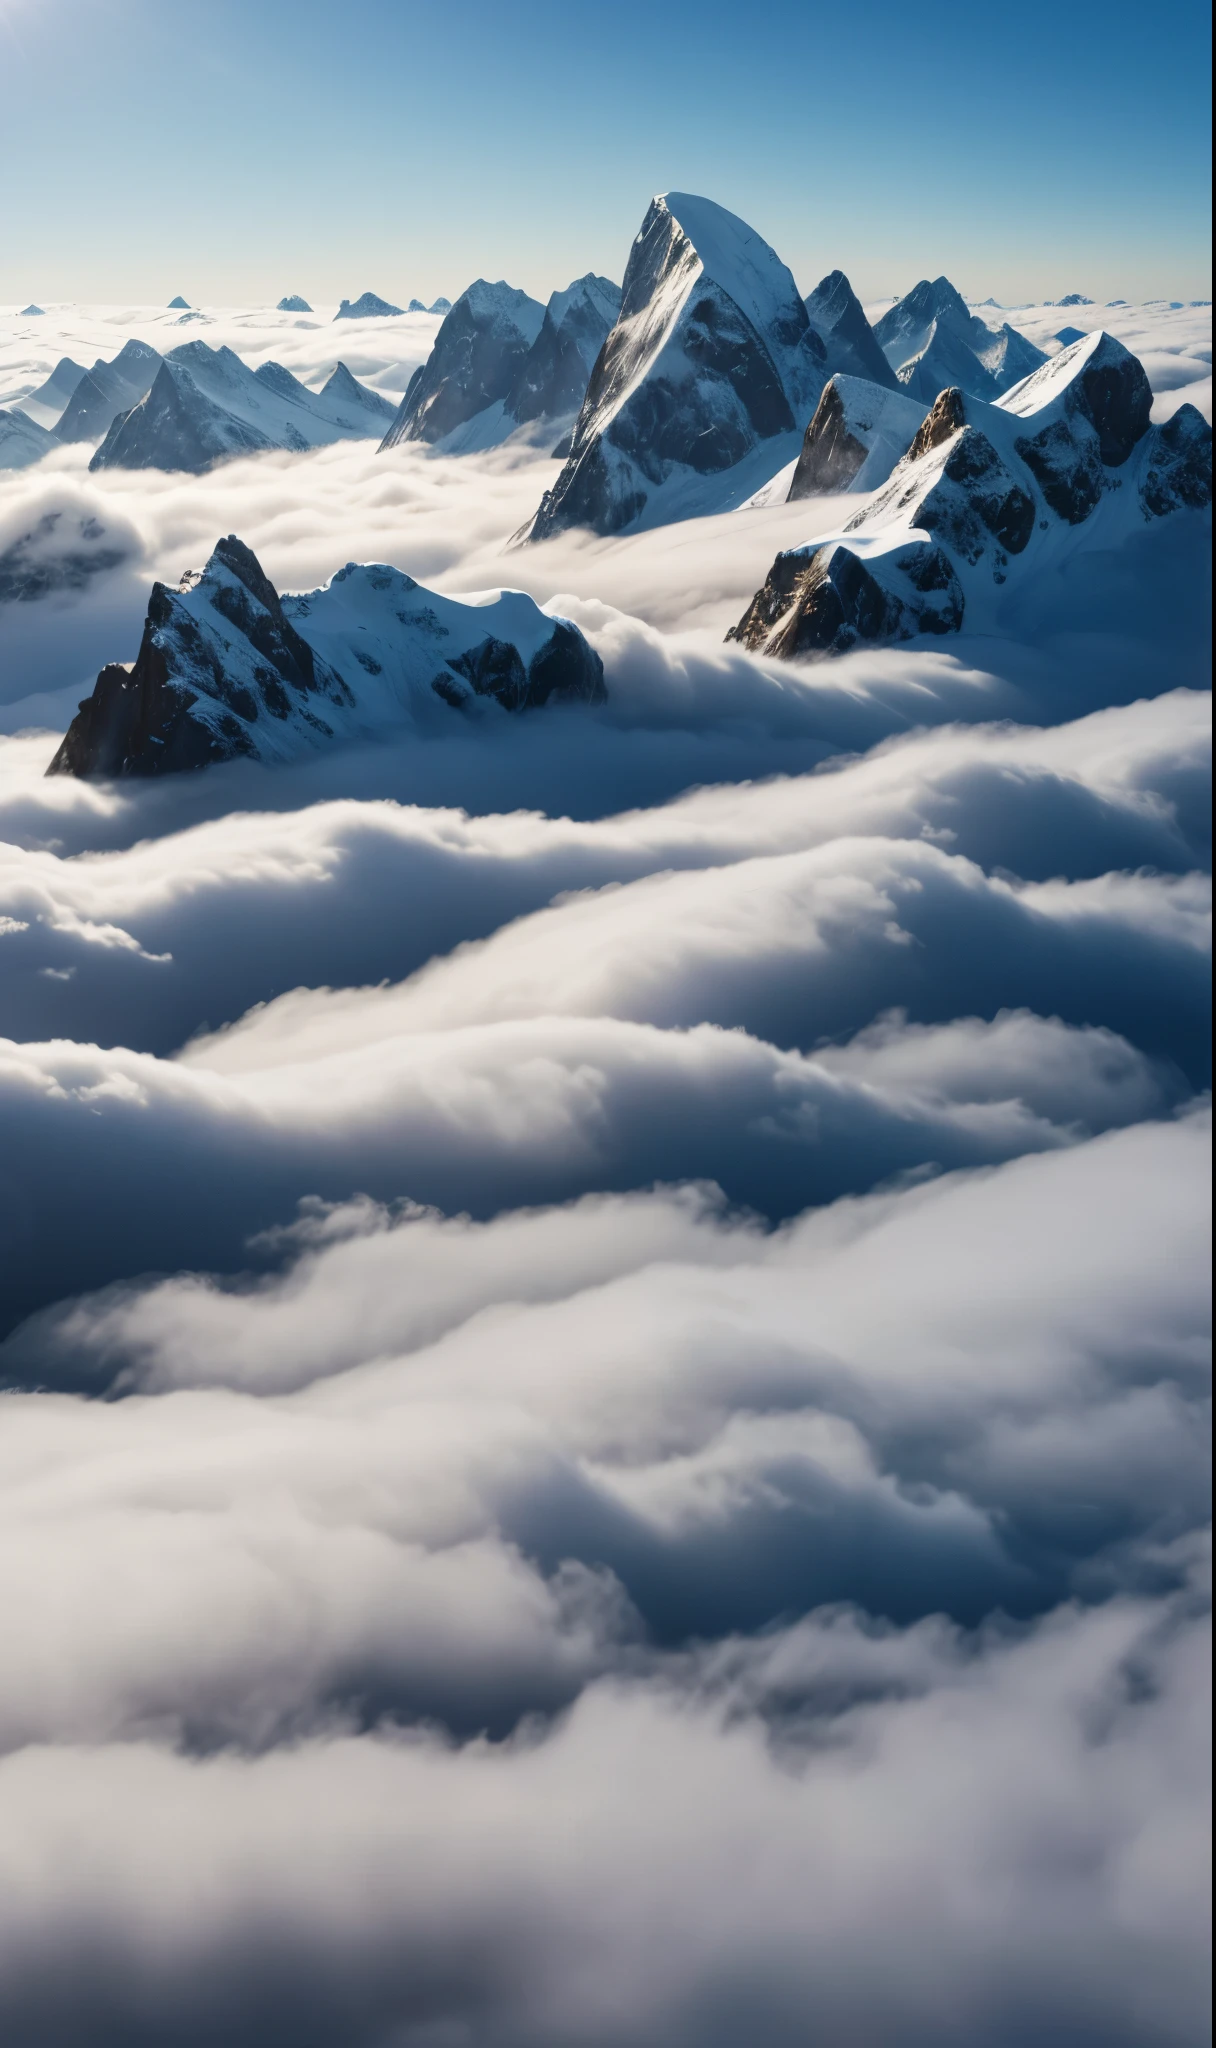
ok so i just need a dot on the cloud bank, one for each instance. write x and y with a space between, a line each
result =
605 1323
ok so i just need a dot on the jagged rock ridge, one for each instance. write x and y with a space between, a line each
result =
227 669
713 355
1000 490
293 303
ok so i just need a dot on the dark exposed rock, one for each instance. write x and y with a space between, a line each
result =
1102 412
858 432
293 303
477 356
228 669
831 456
179 305
713 354
1179 464
825 600
977 500
138 721
946 416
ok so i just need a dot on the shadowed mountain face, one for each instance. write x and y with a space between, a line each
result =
226 669
207 406
835 312
713 354
552 379
107 390
478 355
1067 466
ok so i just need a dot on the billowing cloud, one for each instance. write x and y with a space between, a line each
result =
605 1344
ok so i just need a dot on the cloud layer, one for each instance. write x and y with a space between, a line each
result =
605 1321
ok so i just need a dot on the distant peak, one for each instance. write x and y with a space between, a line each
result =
179 305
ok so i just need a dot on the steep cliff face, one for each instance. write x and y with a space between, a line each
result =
858 432
478 354
227 669
1006 494
713 355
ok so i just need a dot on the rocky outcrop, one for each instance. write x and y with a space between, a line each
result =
825 600
1089 405
479 352
1178 465
293 303
835 312
1000 490
107 390
186 701
368 307
858 432
227 669
713 355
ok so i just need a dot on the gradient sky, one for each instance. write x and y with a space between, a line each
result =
233 150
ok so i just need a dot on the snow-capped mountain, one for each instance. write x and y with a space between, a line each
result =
367 307
207 405
713 357
46 405
227 670
552 379
989 495
835 312
478 353
931 339
858 432
293 303
107 390
22 440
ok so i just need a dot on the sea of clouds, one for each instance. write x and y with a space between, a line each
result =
605 1319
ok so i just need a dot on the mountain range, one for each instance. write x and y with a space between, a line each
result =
501 360
992 495
228 670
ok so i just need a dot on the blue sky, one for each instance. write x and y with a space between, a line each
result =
237 151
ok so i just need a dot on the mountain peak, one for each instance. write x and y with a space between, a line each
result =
367 307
